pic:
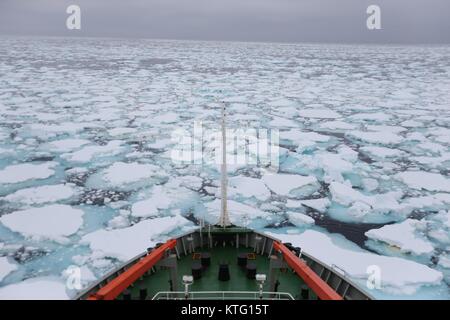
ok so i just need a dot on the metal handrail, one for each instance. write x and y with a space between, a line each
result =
222 295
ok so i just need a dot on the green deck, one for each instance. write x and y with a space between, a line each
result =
159 281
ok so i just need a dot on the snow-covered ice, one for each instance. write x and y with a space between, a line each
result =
408 236
6 267
376 137
54 222
86 175
320 205
26 171
289 184
248 187
127 176
126 243
88 153
366 208
425 180
299 219
42 288
43 194
399 276
318 113
65 145
381 152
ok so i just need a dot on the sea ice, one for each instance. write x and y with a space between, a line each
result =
444 261
116 132
240 214
87 153
65 145
247 187
381 152
318 113
43 194
86 275
45 131
337 125
127 176
40 288
299 219
279 122
126 243
352 140
163 197
54 222
399 276
366 208
319 205
424 180
298 136
290 184
377 116
27 171
408 236
377 137
6 267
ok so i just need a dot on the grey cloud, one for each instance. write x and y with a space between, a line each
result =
403 21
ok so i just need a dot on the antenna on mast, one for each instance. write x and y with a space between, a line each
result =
224 220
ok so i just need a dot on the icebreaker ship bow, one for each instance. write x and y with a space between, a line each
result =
224 261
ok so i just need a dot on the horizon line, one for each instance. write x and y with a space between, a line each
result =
229 41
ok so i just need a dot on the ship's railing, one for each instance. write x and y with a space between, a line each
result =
222 295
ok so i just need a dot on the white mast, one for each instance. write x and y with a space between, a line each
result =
224 220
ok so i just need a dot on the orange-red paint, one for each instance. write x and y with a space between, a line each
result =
116 286
320 287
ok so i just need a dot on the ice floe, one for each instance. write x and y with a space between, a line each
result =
299 219
376 116
6 267
40 288
318 113
398 276
158 199
290 184
87 153
381 152
121 131
27 171
377 137
444 261
126 176
424 180
337 125
248 187
65 145
407 236
126 243
86 276
45 131
43 194
319 205
299 136
240 214
55 222
366 208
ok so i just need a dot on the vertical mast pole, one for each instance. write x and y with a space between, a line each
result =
224 218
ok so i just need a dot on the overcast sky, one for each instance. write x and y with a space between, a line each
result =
403 21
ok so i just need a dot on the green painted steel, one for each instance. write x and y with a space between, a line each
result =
159 281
